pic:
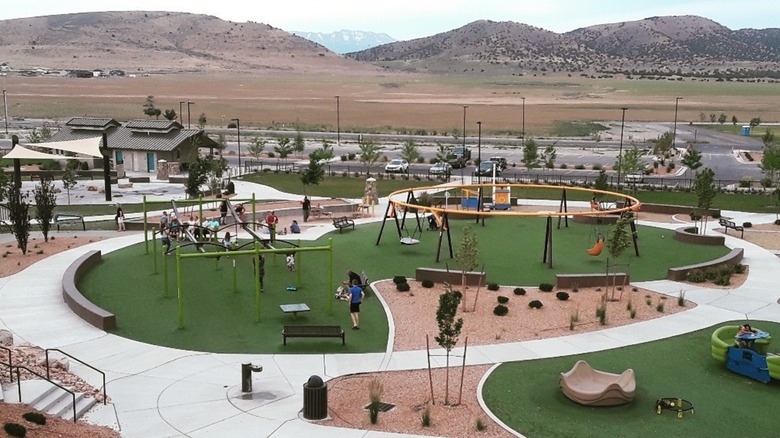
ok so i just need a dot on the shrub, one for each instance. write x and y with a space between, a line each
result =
747 225
519 291
503 299
739 268
563 296
492 286
563 166
427 283
660 307
480 425
580 167
596 166
426 418
402 287
398 279
723 280
535 304
14 429
546 287
500 310
681 298
697 276
35 417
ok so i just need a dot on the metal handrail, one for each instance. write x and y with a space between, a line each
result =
79 361
10 363
19 386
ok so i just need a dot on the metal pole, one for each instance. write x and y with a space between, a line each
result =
620 153
5 110
338 121
188 113
674 132
523 141
479 152
238 128
464 128
181 116
106 167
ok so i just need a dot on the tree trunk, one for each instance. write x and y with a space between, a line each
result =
447 380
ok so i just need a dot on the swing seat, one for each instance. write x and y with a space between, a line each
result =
597 248
409 241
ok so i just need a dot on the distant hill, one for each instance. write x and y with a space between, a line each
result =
345 41
158 41
680 45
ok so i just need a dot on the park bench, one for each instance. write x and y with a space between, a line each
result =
62 218
313 331
343 222
730 224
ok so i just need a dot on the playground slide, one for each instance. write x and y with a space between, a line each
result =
187 233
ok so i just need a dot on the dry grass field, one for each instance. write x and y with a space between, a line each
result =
387 101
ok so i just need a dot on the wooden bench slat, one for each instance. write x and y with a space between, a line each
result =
313 331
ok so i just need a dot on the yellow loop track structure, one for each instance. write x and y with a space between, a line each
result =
403 202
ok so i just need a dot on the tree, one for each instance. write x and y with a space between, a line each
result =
713 117
531 154
768 138
770 164
5 181
170 114
601 181
369 154
705 190
443 152
722 118
410 152
323 154
755 121
549 155
149 108
734 120
299 143
68 180
466 255
197 175
256 146
35 136
449 329
630 161
692 159
664 144
617 237
20 220
313 174
45 201
202 120
283 149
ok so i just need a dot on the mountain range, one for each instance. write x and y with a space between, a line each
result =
345 41
176 42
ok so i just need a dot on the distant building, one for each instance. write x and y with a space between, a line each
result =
139 144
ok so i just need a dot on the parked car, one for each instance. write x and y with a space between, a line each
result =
486 168
441 168
501 162
397 166
461 151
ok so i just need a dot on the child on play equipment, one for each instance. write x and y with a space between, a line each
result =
291 262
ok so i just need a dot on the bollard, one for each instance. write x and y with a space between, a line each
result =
246 376
315 399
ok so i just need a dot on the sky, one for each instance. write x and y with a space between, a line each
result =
409 19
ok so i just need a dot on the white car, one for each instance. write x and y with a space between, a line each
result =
441 168
398 166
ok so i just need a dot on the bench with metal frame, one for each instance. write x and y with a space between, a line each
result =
313 331
730 224
343 222
62 218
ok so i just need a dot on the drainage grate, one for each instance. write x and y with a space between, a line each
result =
383 407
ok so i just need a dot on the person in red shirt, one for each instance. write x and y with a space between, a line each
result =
272 220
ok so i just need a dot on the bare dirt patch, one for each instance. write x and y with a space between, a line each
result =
13 261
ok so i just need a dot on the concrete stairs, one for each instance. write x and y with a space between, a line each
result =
45 397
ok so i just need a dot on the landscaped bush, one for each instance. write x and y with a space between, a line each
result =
500 310
519 291
697 276
402 287
398 279
427 283
563 296
739 268
580 167
14 429
492 286
723 280
546 287
35 417
502 299
535 304
747 225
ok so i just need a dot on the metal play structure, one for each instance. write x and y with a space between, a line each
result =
405 202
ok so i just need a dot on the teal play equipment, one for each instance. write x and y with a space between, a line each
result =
746 354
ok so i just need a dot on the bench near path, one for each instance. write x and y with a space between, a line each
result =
726 224
313 331
343 222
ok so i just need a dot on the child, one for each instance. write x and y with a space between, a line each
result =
291 262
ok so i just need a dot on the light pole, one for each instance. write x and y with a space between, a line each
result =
5 105
464 128
338 121
620 152
188 113
181 111
238 128
479 174
523 121
674 132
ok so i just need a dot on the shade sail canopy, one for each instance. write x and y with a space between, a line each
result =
20 152
86 146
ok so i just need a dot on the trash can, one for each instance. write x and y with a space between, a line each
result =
746 130
246 376
315 399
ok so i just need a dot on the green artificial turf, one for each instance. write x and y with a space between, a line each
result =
527 397
220 320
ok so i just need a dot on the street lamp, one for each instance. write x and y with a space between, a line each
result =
479 174
181 112
188 113
620 152
338 121
674 132
238 128
464 128
523 121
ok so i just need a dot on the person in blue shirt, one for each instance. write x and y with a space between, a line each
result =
356 295
295 228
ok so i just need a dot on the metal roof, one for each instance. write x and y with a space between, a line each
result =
91 123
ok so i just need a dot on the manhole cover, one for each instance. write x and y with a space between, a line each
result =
383 407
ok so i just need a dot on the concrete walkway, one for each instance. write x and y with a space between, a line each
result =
165 392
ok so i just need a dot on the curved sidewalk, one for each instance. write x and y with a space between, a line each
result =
165 392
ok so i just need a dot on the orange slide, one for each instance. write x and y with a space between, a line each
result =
596 250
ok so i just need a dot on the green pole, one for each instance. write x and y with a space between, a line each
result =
330 276
200 209
146 239
179 287
257 282
235 278
165 274
154 249
254 213
298 263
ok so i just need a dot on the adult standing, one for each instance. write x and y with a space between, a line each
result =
120 218
272 221
356 295
223 209
306 204
164 221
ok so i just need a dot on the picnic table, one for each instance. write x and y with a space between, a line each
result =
294 308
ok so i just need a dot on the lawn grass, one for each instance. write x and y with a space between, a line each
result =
220 320
333 186
527 397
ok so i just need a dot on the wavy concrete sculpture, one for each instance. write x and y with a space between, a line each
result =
590 387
